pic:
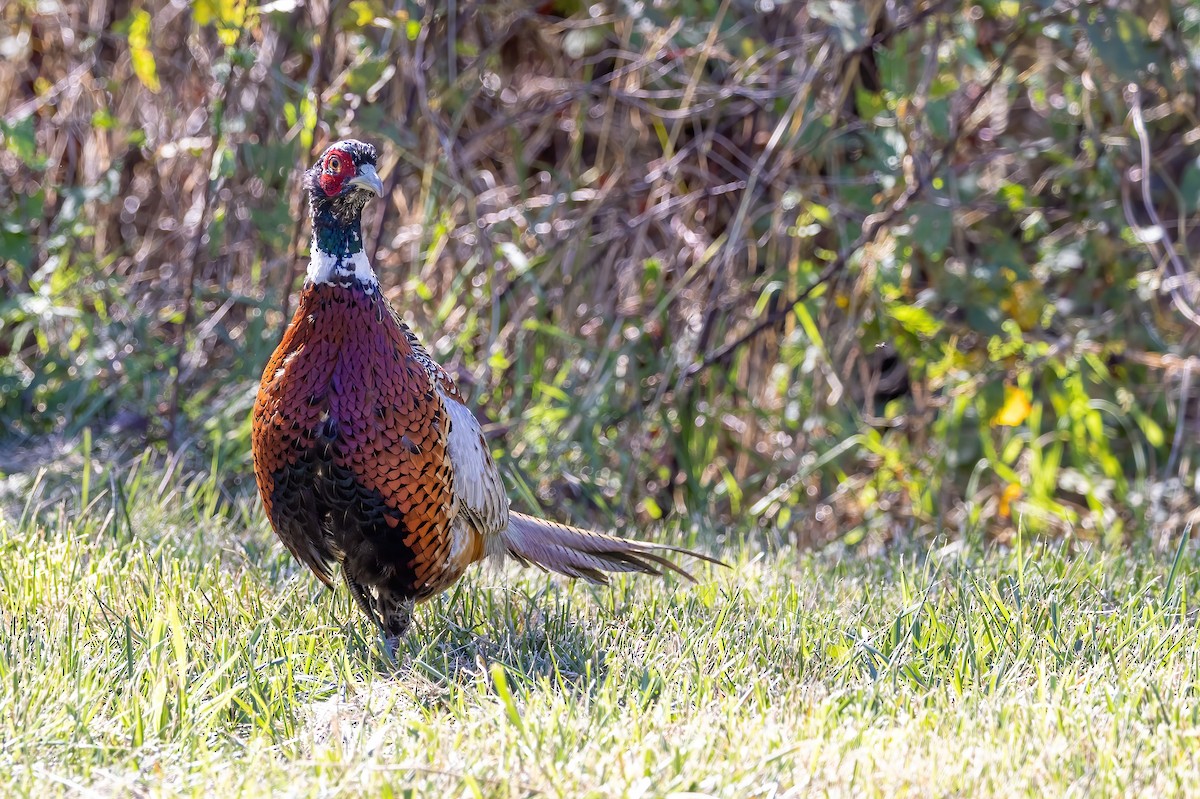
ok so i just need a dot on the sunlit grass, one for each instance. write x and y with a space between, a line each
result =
161 644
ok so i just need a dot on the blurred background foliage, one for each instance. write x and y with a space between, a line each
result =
841 271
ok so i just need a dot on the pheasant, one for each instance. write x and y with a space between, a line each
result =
364 451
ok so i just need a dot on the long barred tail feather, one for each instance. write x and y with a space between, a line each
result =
586 554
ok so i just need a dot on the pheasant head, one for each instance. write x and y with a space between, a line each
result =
339 186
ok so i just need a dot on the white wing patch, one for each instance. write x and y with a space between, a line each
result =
477 482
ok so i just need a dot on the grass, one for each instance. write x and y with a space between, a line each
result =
161 643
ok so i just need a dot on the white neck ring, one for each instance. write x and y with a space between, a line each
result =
326 268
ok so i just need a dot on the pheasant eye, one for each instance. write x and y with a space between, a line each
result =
335 164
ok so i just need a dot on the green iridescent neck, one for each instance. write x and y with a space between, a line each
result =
334 235
337 248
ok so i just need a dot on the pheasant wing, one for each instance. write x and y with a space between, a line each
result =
477 483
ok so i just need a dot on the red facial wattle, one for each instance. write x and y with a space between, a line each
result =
336 169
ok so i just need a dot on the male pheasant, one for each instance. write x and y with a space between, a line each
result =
364 452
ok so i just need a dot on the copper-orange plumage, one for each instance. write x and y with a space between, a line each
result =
366 455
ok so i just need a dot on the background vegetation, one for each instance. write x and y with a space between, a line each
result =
911 278
848 270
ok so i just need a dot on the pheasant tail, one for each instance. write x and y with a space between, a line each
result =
585 553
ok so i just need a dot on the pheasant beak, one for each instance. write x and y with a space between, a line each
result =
367 179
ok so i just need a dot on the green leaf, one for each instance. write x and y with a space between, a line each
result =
308 119
931 228
765 296
1119 39
498 361
1189 186
1015 196
651 508
20 139
367 74
915 320
16 246
500 681
103 119
1150 429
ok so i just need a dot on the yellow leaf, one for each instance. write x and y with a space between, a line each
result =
139 50
230 17
1010 493
364 14
204 11
820 213
1025 304
1016 408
